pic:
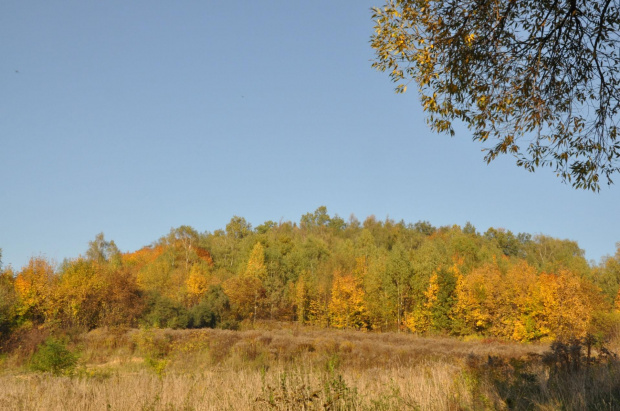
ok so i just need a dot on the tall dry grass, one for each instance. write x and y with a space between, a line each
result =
422 387
297 368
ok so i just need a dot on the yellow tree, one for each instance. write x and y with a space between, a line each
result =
474 296
569 304
318 303
381 305
301 300
501 301
420 319
346 306
34 286
246 290
256 263
522 311
197 282
81 293
161 277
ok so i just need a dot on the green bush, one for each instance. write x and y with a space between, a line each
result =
201 316
53 356
212 311
163 312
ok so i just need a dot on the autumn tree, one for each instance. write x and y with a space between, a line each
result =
301 300
383 275
569 304
498 301
35 285
246 290
538 80
346 306
80 294
197 282
123 301
163 278
419 320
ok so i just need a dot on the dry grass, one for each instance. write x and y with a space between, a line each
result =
226 389
295 368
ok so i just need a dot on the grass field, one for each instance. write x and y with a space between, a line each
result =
287 367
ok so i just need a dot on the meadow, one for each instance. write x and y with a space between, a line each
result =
290 367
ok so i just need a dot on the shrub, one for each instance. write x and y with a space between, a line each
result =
162 312
201 316
53 356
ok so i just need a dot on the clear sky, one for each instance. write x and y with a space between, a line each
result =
133 117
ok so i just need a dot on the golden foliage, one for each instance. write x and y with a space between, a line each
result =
420 319
569 303
246 291
197 282
256 264
35 287
346 307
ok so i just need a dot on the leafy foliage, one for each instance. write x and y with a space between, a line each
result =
53 356
539 80
378 275
8 305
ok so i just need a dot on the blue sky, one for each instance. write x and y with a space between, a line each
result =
131 118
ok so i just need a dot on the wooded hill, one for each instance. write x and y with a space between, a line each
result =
375 275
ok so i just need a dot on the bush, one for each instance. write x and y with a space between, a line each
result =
201 316
212 311
53 356
162 312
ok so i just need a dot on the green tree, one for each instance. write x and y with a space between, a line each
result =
102 251
552 254
8 304
185 238
397 283
539 80
319 218
238 228
507 242
607 275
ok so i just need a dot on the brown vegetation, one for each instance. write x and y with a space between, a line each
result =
288 367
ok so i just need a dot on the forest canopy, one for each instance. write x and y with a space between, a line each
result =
379 275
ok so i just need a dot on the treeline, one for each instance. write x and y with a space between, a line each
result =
375 275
